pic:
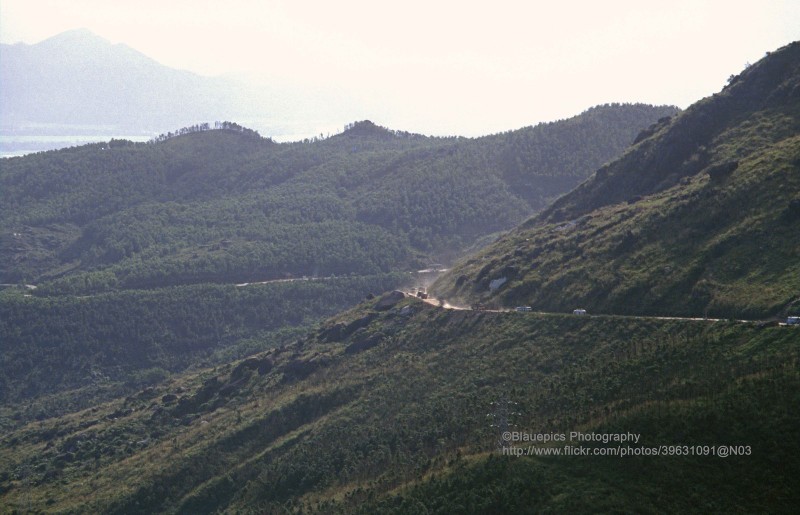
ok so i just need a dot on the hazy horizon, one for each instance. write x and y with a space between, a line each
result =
460 69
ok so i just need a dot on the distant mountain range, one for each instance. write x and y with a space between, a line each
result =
79 84
79 81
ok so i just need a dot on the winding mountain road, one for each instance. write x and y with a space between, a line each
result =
446 305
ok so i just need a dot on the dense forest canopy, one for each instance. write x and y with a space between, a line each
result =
227 205
111 342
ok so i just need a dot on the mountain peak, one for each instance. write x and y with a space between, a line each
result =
81 36
82 46
678 149
366 128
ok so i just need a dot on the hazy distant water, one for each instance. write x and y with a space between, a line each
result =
12 145
19 145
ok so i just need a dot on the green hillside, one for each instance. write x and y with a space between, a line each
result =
229 206
194 398
384 409
698 218
136 249
75 351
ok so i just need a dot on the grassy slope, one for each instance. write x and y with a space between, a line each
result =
654 233
728 249
368 415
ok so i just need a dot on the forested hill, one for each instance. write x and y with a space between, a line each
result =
398 405
227 205
698 218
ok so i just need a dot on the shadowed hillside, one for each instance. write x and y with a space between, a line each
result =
384 410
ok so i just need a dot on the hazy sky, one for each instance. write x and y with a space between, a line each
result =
442 67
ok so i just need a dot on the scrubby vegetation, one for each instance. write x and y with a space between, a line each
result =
327 425
698 219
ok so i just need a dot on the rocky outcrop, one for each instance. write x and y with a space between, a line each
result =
389 300
366 341
340 331
262 365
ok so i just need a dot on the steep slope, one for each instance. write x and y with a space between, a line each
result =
228 206
384 409
698 218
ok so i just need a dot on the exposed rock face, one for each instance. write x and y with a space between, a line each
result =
263 365
495 284
406 311
389 300
299 369
340 331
